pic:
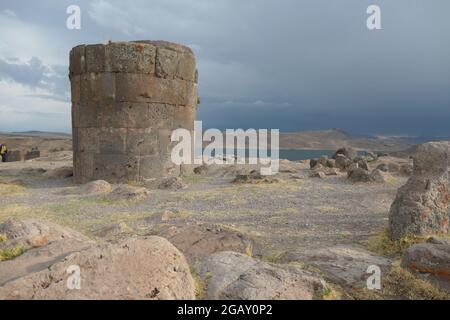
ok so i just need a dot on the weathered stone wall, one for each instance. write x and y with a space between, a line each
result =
127 98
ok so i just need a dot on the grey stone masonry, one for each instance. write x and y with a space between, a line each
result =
127 98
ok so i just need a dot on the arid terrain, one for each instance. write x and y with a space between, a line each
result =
317 220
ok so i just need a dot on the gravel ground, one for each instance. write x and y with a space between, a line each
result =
287 215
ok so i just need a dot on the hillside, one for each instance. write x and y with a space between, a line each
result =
336 138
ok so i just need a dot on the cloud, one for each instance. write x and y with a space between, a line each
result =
21 109
299 64
35 74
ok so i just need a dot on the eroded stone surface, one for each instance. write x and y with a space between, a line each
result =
422 204
127 98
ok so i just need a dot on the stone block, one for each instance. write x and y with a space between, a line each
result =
95 58
112 140
77 60
147 88
130 57
141 142
98 87
115 167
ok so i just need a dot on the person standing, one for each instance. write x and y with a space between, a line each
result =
3 152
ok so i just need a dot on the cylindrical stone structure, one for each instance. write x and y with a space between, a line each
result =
127 98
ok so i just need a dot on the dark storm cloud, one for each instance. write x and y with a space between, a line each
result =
289 64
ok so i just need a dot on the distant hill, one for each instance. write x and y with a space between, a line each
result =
34 133
336 138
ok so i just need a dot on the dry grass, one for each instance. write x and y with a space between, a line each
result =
10 189
383 245
11 253
401 283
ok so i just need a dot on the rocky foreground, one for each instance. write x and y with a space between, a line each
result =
310 232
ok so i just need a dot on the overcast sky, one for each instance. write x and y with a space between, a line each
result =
288 64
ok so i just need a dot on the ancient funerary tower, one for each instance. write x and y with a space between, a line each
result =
127 98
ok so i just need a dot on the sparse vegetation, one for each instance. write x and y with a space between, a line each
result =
383 245
11 253
200 285
3 237
8 189
401 283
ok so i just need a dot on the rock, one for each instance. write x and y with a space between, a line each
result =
113 231
421 206
406 169
372 156
313 163
59 173
359 175
383 167
331 163
381 176
287 166
344 265
128 193
29 233
323 161
362 163
199 241
342 162
235 276
40 257
318 174
203 169
254 177
430 259
331 172
96 187
172 183
32 171
438 240
348 152
395 167
138 268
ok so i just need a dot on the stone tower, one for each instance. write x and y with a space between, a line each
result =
127 98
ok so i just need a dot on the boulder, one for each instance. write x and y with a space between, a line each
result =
331 163
42 243
200 240
59 173
128 193
323 161
348 152
358 175
96 187
138 268
342 162
383 167
235 276
113 231
318 174
29 233
381 176
203 169
172 183
421 206
343 265
254 177
362 163
431 260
